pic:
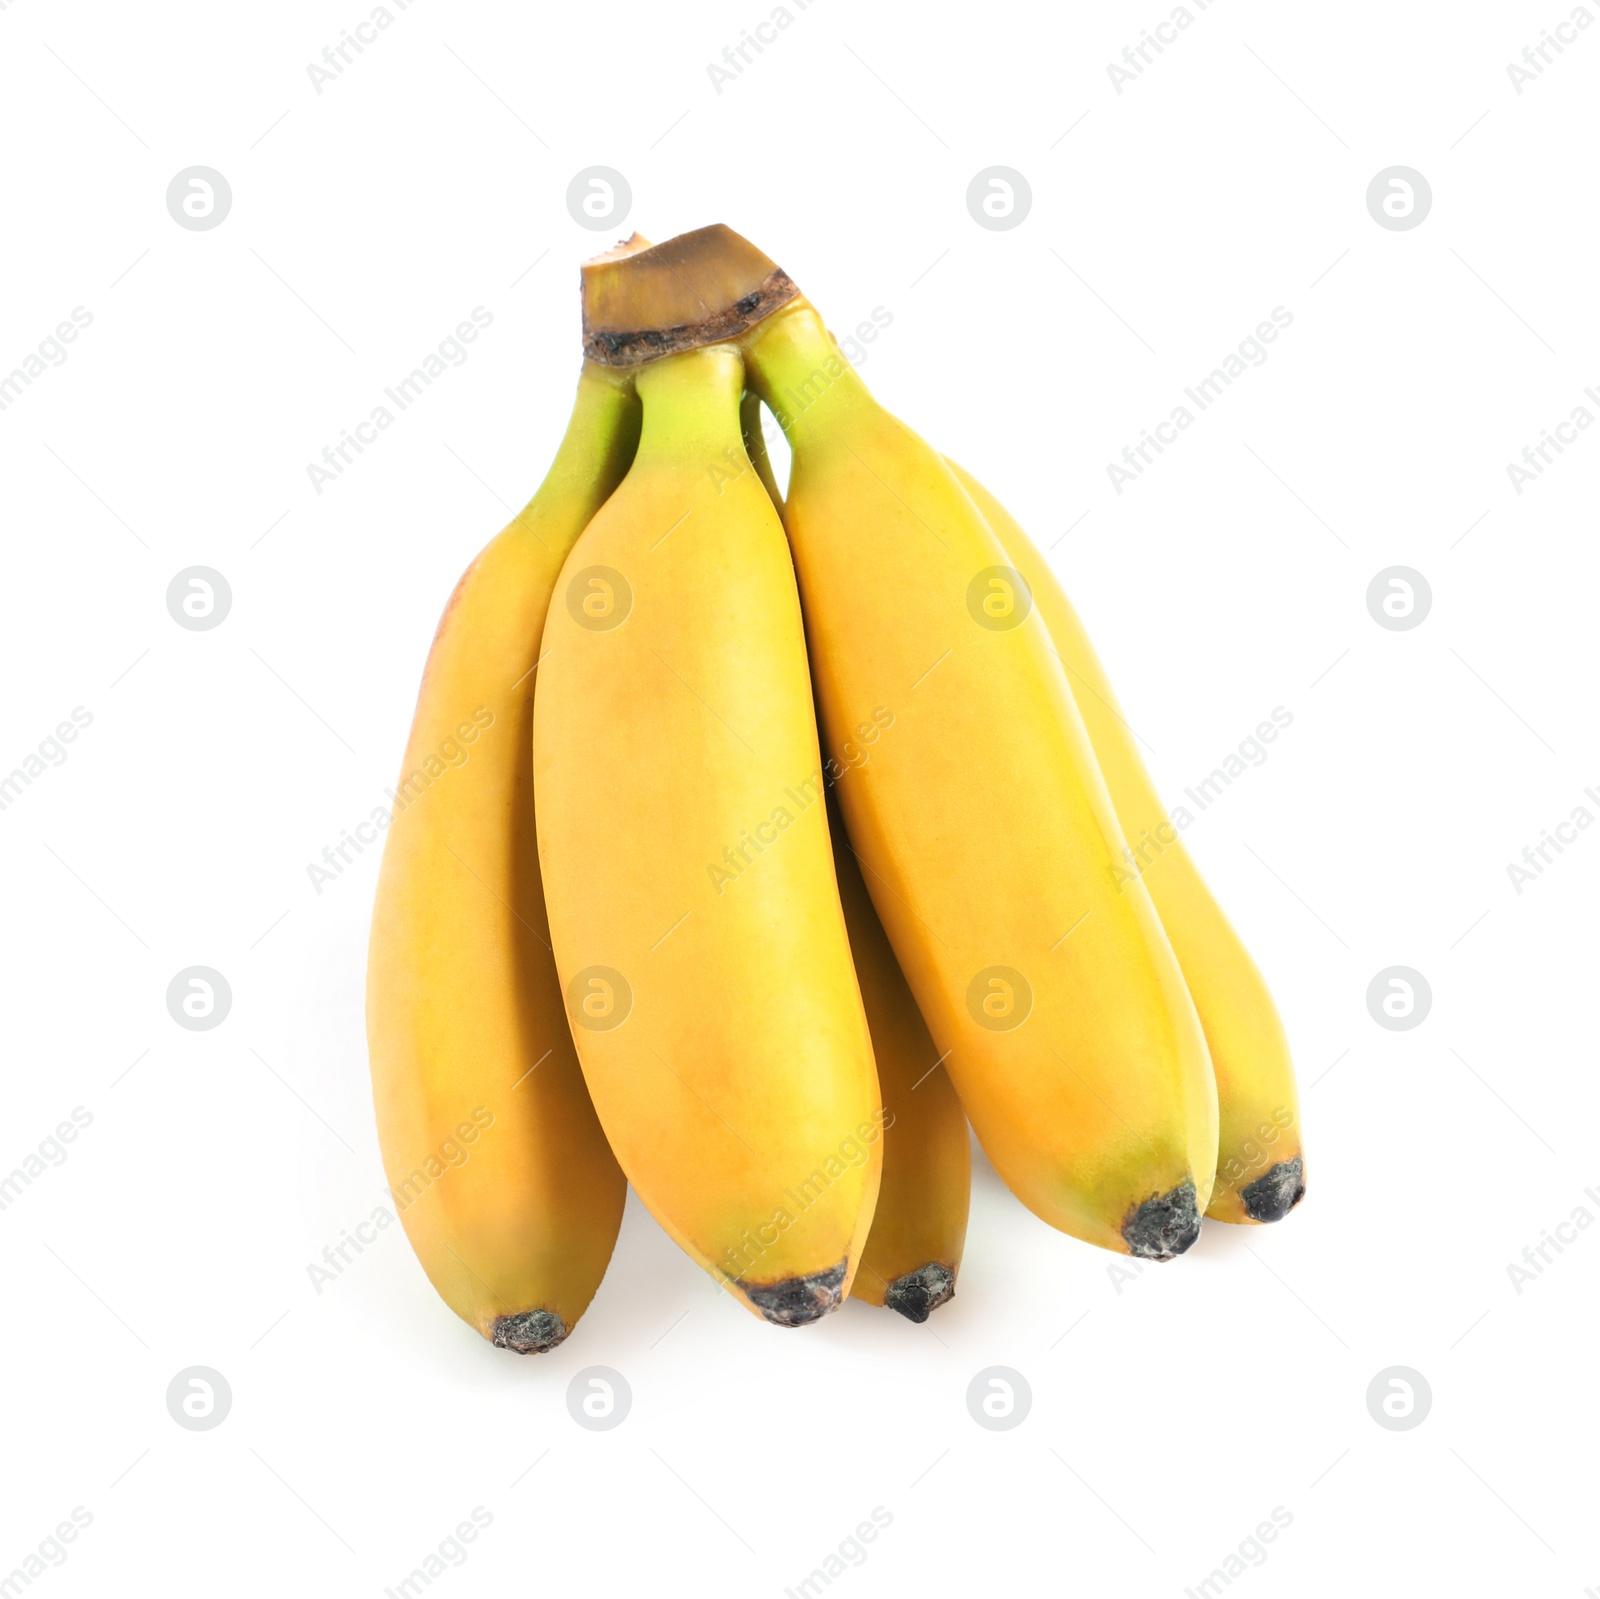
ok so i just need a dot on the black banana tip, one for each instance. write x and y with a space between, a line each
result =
1164 1225
921 1292
1275 1193
798 1301
529 1332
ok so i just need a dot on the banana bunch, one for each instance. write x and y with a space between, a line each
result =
795 832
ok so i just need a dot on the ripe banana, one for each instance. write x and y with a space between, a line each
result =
683 834
988 838
496 1161
755 446
1260 1160
913 1252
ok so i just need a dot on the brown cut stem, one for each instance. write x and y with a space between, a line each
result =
704 287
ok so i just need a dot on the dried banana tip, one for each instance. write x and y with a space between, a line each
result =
529 1332
1164 1225
1274 1194
798 1301
921 1292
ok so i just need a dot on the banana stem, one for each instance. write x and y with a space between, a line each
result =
606 413
799 373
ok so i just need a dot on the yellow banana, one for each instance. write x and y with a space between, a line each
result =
755 446
913 1252
1260 1159
919 1228
683 834
497 1164
986 834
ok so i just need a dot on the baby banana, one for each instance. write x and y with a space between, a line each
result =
984 828
913 1252
683 834
502 1177
1260 1161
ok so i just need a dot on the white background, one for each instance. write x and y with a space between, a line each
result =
1170 1414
